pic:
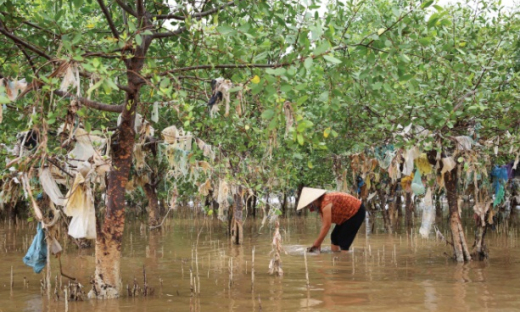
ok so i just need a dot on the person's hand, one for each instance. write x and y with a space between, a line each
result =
313 249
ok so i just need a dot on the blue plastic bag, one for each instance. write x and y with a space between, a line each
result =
36 256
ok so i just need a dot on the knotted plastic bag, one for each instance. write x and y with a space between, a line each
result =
36 256
417 185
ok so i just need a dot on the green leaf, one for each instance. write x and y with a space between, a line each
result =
321 48
88 126
308 63
165 82
299 137
331 59
268 114
225 29
138 40
426 4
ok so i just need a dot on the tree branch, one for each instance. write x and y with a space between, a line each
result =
169 33
140 8
109 19
126 7
196 15
2 25
184 69
91 104
22 42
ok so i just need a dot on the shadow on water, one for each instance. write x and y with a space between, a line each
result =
189 271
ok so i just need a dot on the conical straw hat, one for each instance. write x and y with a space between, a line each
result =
308 196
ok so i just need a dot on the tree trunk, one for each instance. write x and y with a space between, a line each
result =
150 190
460 247
237 228
392 208
386 217
110 234
480 250
399 203
409 209
284 203
438 208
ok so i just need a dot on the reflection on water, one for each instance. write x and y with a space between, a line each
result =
382 272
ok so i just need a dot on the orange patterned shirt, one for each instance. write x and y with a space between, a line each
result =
344 206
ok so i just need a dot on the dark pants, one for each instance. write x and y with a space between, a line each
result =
343 234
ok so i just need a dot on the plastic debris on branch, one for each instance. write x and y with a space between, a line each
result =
80 206
428 216
50 187
36 256
417 185
500 177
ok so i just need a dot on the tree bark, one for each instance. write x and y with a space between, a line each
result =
460 247
480 250
237 229
110 235
153 203
284 203
438 208
409 209
392 208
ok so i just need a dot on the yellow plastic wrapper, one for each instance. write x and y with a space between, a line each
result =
423 164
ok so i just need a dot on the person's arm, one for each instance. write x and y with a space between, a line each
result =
326 221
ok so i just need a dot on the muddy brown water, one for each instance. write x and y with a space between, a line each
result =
383 272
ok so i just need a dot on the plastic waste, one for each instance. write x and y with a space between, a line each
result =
428 214
51 188
409 157
80 206
36 256
423 164
417 185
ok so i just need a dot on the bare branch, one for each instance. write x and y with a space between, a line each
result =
126 7
109 19
91 104
196 15
169 33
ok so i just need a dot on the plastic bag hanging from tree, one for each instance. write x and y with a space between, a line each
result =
36 256
428 214
417 185
80 206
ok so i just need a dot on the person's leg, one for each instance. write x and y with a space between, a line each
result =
334 238
350 229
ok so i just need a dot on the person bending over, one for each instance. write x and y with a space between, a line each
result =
344 210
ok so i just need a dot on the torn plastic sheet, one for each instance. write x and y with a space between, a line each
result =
409 157
170 134
71 78
80 206
155 112
464 142
428 216
448 163
85 147
13 88
50 187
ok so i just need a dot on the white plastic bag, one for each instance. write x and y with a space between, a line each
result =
80 206
428 214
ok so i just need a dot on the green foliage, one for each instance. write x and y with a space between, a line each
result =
352 74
